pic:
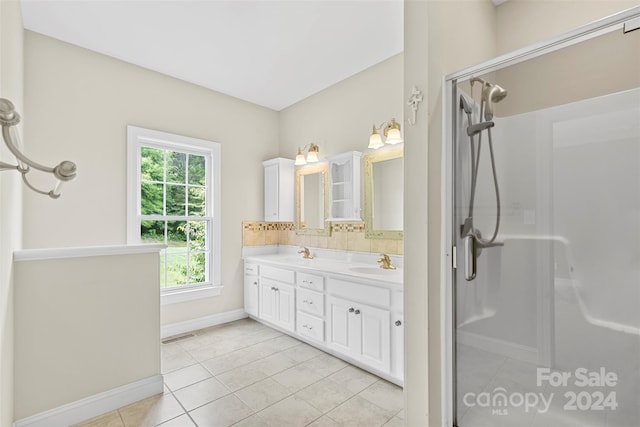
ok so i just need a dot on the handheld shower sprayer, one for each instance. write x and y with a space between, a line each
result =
491 94
473 243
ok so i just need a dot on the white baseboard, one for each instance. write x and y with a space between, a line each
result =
95 405
498 346
201 322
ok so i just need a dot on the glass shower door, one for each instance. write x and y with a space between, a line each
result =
547 333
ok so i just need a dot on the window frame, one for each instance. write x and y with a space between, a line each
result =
138 137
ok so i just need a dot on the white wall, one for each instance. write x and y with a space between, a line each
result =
11 87
78 104
84 325
440 37
524 22
339 118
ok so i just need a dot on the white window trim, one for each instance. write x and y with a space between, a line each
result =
136 137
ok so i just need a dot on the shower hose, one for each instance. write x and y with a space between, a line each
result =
475 165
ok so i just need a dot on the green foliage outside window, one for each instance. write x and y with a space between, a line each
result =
174 184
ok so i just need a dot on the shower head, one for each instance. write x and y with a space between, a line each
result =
492 93
465 104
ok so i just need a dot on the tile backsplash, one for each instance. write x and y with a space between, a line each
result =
347 236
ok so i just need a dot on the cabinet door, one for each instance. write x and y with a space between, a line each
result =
251 292
376 337
286 298
343 328
267 300
271 195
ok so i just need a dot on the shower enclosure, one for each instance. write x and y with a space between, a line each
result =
542 244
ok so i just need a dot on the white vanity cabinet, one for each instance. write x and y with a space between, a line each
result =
310 306
397 345
278 189
251 289
356 328
277 296
357 319
277 303
344 186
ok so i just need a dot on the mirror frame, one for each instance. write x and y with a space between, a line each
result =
322 168
369 160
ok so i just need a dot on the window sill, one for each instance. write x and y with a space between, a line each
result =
184 295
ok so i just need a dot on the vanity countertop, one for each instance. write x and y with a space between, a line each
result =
360 270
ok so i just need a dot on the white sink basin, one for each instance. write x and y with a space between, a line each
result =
371 270
298 260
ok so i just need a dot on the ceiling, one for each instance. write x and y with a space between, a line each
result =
270 52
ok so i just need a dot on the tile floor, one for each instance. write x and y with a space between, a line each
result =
246 374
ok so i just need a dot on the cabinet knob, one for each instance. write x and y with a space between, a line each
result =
357 311
255 283
398 323
351 310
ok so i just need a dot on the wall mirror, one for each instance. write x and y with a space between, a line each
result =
384 194
312 200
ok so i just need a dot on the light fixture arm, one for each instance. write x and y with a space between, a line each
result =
63 172
391 131
385 127
312 154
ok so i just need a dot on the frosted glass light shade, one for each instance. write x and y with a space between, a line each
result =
375 141
394 137
300 159
312 156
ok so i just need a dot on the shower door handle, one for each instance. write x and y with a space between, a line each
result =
469 247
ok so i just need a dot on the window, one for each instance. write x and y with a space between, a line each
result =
174 199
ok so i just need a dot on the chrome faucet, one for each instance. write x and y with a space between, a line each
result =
305 253
385 262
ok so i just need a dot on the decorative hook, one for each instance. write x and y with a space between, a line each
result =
414 100
63 172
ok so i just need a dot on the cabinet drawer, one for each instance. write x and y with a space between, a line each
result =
360 292
310 281
310 327
310 302
251 269
275 273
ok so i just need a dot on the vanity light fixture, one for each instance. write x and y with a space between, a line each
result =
65 171
391 131
312 155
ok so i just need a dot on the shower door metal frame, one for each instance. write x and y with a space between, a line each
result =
448 234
